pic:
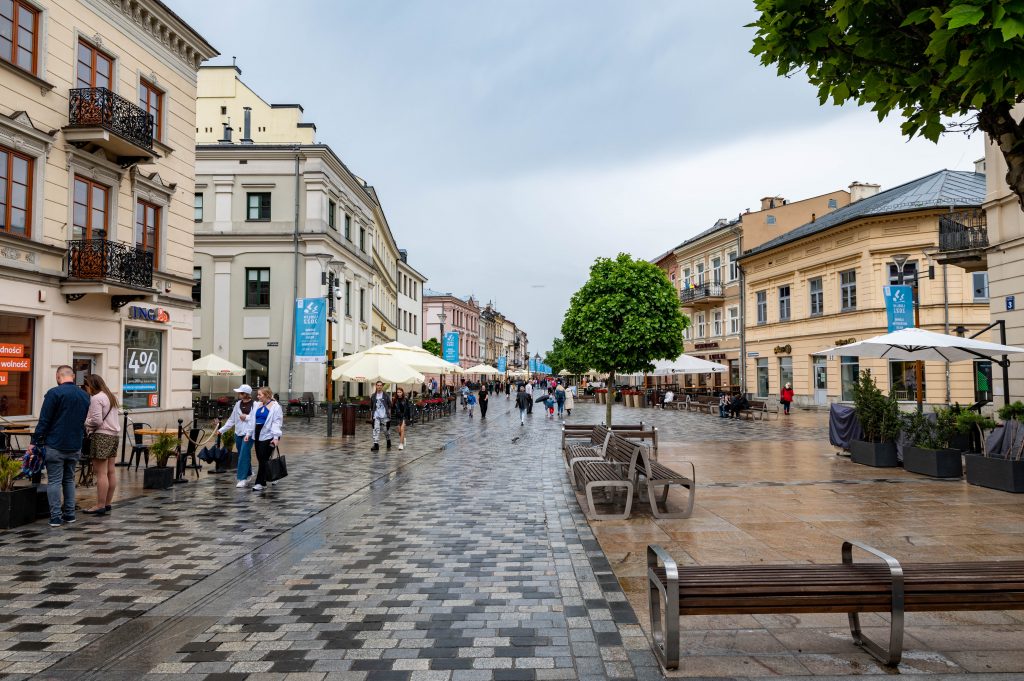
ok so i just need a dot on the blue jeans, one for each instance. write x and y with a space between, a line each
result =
722 411
60 477
244 450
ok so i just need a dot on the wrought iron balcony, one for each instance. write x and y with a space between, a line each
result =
963 239
98 116
701 293
109 261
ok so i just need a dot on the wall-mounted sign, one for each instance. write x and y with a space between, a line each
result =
705 346
273 344
12 350
16 364
899 307
844 341
783 349
753 354
3 378
149 314
1011 303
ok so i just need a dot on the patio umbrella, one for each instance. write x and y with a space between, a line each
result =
483 369
564 372
686 364
921 344
377 365
214 365
417 358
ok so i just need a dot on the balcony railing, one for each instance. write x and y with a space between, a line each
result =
965 230
102 260
98 107
701 292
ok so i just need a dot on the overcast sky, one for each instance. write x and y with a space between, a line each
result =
512 142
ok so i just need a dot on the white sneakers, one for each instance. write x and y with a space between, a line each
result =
241 483
258 488
401 446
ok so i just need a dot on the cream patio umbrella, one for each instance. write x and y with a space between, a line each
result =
214 365
564 372
484 370
417 358
376 365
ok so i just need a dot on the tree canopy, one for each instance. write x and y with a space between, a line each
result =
432 346
563 356
624 318
944 65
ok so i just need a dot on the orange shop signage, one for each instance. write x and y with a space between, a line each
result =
12 350
16 364
3 378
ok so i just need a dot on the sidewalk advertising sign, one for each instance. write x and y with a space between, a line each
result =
899 307
450 347
502 364
310 330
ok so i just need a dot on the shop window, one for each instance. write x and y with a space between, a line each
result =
147 230
197 286
19 34
785 371
95 67
257 367
15 191
257 287
143 366
89 214
734 372
849 374
903 381
848 290
151 98
257 206
17 354
762 377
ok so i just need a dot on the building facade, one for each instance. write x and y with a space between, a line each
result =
385 263
96 173
461 315
410 302
821 286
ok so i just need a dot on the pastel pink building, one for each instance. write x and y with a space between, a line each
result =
461 315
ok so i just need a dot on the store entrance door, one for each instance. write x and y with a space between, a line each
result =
820 381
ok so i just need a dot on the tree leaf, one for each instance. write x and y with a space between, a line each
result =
964 15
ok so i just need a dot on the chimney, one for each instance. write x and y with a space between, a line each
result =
979 166
769 202
227 134
246 125
862 190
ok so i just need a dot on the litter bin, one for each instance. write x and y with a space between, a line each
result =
348 419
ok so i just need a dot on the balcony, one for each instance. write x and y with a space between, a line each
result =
108 268
701 295
97 116
963 239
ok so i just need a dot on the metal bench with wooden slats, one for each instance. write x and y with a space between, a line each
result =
617 470
846 587
590 450
760 408
582 431
702 403
658 475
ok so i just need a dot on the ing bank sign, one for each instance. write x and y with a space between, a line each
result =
149 314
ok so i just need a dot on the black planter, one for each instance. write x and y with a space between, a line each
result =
1001 474
938 463
960 442
233 460
877 454
17 507
158 477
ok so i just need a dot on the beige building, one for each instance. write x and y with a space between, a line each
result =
410 302
821 285
385 264
96 173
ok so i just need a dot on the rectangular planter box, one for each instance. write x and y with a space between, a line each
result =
158 478
1001 474
17 507
877 454
938 463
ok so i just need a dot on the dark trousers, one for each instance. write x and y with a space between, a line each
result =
483 408
264 449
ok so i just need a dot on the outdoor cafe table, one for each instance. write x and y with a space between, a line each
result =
13 430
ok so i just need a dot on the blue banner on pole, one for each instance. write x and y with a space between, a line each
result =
899 307
310 330
502 364
533 366
450 347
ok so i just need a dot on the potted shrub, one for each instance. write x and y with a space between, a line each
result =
929 451
227 442
879 417
1003 469
17 505
160 476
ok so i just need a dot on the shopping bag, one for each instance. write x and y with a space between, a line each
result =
277 466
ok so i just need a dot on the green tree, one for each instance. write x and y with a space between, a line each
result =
433 346
623 319
563 356
944 65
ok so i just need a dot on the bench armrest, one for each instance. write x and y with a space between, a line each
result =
892 655
665 631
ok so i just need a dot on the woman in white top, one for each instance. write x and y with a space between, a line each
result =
268 423
102 427
242 420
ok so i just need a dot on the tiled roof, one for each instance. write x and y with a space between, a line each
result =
942 189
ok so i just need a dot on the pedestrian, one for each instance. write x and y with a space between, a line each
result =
723 405
786 397
464 393
402 410
570 401
508 390
60 429
523 403
102 428
549 404
669 397
266 432
470 402
433 387
737 405
529 391
560 398
380 410
483 399
243 422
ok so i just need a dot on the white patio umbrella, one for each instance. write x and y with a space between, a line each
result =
215 365
921 344
483 369
564 372
686 364
377 365
417 358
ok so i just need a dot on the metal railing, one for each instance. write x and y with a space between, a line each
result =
99 259
700 292
99 107
964 230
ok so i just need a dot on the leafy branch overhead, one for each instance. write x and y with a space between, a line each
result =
952 65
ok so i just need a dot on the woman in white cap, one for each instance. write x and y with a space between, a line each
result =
242 421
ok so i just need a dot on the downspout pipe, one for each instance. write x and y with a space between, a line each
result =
295 281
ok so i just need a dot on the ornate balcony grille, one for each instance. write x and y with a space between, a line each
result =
964 230
700 292
102 260
99 107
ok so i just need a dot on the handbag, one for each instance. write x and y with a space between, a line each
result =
277 466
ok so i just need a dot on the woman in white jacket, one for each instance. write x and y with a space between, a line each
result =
242 420
268 422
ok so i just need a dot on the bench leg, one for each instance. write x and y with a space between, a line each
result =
573 471
628 486
652 496
891 656
663 606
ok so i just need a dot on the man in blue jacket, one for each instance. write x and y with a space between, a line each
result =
60 429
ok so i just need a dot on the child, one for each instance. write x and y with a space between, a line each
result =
470 402
549 402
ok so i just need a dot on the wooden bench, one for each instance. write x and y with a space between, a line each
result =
657 475
616 470
702 403
582 431
760 408
845 587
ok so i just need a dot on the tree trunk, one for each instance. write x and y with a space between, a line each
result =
1007 133
610 400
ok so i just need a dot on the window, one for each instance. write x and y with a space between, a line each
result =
716 269
18 361
762 377
142 368
197 206
257 367
362 239
19 28
89 215
849 373
95 69
903 381
686 278
348 226
196 378
909 273
784 303
734 372
700 273
700 325
734 321
15 191
762 307
785 371
716 323
332 208
223 111
197 286
257 287
362 304
147 229
348 298
980 281
151 98
734 267
832 203
817 295
771 219
848 290
258 206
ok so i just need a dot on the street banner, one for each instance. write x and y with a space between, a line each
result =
533 366
899 307
502 363
450 348
310 330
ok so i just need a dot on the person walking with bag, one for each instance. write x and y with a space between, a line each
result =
267 424
102 428
560 398
243 421
786 397
380 411
402 410
570 400
60 429
523 401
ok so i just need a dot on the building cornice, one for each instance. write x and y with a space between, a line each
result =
156 20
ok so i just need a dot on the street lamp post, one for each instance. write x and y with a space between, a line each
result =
900 259
442 318
327 279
